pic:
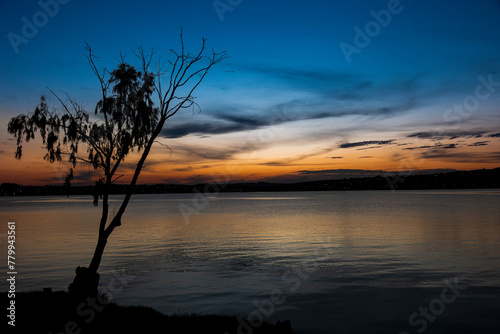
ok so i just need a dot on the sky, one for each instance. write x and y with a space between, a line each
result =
312 89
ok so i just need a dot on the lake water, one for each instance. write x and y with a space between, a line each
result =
331 262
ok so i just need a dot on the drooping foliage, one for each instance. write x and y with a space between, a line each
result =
123 121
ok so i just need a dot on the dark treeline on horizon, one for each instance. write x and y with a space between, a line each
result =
476 179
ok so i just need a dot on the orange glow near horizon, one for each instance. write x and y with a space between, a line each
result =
274 163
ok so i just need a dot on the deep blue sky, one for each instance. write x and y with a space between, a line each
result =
286 68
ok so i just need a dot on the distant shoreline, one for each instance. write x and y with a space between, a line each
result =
475 179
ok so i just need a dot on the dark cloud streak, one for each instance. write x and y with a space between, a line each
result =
448 134
366 143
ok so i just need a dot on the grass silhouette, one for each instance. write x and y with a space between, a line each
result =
59 312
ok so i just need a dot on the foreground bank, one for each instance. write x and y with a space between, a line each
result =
59 313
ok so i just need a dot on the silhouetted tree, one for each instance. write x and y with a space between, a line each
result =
125 119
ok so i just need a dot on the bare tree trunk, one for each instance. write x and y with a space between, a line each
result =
86 281
99 250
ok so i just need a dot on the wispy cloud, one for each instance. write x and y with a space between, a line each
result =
449 134
307 79
460 157
341 173
231 119
319 94
366 143
480 143
205 128
417 148
237 119
190 168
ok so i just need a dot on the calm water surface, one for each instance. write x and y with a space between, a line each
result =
340 262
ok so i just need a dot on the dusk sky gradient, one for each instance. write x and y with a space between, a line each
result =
418 89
